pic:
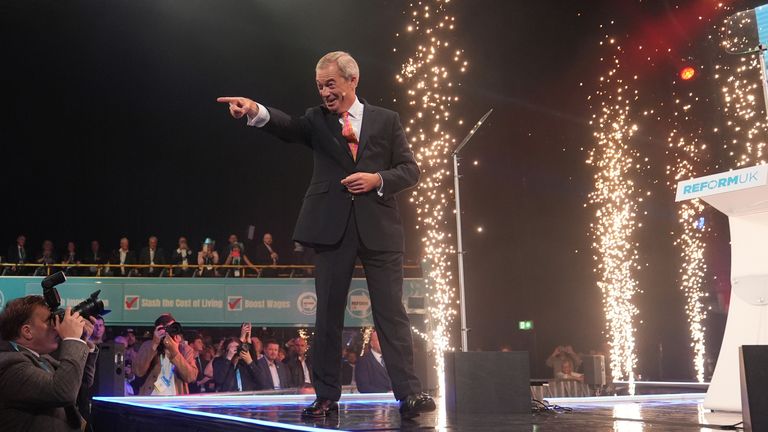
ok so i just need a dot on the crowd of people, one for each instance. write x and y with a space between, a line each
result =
152 260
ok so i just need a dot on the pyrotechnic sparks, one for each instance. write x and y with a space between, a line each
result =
428 77
615 199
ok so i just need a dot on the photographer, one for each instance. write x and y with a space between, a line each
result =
167 363
38 391
236 370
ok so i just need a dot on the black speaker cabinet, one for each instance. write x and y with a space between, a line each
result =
488 382
753 371
110 370
594 369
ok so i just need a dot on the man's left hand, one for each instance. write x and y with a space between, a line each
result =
88 328
361 182
171 345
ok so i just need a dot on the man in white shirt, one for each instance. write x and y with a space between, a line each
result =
273 374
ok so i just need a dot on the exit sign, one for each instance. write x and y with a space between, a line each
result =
525 325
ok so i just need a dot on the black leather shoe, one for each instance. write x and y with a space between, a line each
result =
320 408
416 404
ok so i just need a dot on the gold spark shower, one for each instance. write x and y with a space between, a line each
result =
428 77
614 199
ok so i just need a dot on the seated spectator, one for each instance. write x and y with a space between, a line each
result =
559 355
131 345
207 258
231 242
47 256
167 364
566 372
236 257
298 364
19 254
182 256
348 362
235 370
69 258
370 373
265 254
122 257
96 258
272 374
151 255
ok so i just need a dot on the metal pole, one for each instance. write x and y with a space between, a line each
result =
462 301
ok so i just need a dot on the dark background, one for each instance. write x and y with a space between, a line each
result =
109 127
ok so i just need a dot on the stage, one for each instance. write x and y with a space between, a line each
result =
379 412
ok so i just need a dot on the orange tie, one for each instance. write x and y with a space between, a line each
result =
349 133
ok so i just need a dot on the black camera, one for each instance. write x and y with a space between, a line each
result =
173 329
90 307
244 347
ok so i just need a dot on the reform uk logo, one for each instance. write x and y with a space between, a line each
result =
359 303
729 181
307 303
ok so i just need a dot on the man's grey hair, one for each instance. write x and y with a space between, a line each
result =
346 64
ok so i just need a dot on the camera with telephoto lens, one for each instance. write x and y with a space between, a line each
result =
90 307
244 347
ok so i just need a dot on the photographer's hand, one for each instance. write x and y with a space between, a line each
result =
171 346
157 337
246 357
71 326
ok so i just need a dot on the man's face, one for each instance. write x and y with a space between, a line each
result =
94 246
38 334
301 346
337 92
183 243
70 247
375 342
232 239
257 346
124 244
351 357
98 328
153 242
268 239
130 339
271 351
20 240
48 246
566 368
198 345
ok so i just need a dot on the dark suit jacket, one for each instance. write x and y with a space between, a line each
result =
225 375
261 254
130 258
13 255
383 149
144 259
264 378
296 371
34 399
371 376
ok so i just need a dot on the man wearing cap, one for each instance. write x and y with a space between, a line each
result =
361 162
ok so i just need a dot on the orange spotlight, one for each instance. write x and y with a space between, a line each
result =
687 73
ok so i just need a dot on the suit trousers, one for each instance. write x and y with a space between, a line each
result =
384 275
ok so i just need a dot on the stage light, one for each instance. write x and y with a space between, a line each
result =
687 73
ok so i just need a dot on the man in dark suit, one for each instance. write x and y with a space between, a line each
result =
151 255
298 364
265 254
272 373
122 257
19 254
370 372
39 392
361 161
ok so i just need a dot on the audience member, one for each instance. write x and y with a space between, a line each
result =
196 343
131 345
71 257
47 256
207 258
167 363
231 242
266 255
559 355
236 370
258 347
348 363
122 257
19 254
272 374
151 255
236 257
370 371
298 364
96 258
566 372
182 256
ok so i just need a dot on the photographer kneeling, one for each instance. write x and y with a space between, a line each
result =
37 391
167 362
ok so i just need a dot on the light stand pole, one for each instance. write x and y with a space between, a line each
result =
459 243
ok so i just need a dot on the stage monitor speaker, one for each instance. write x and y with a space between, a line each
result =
594 369
753 371
488 382
110 370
